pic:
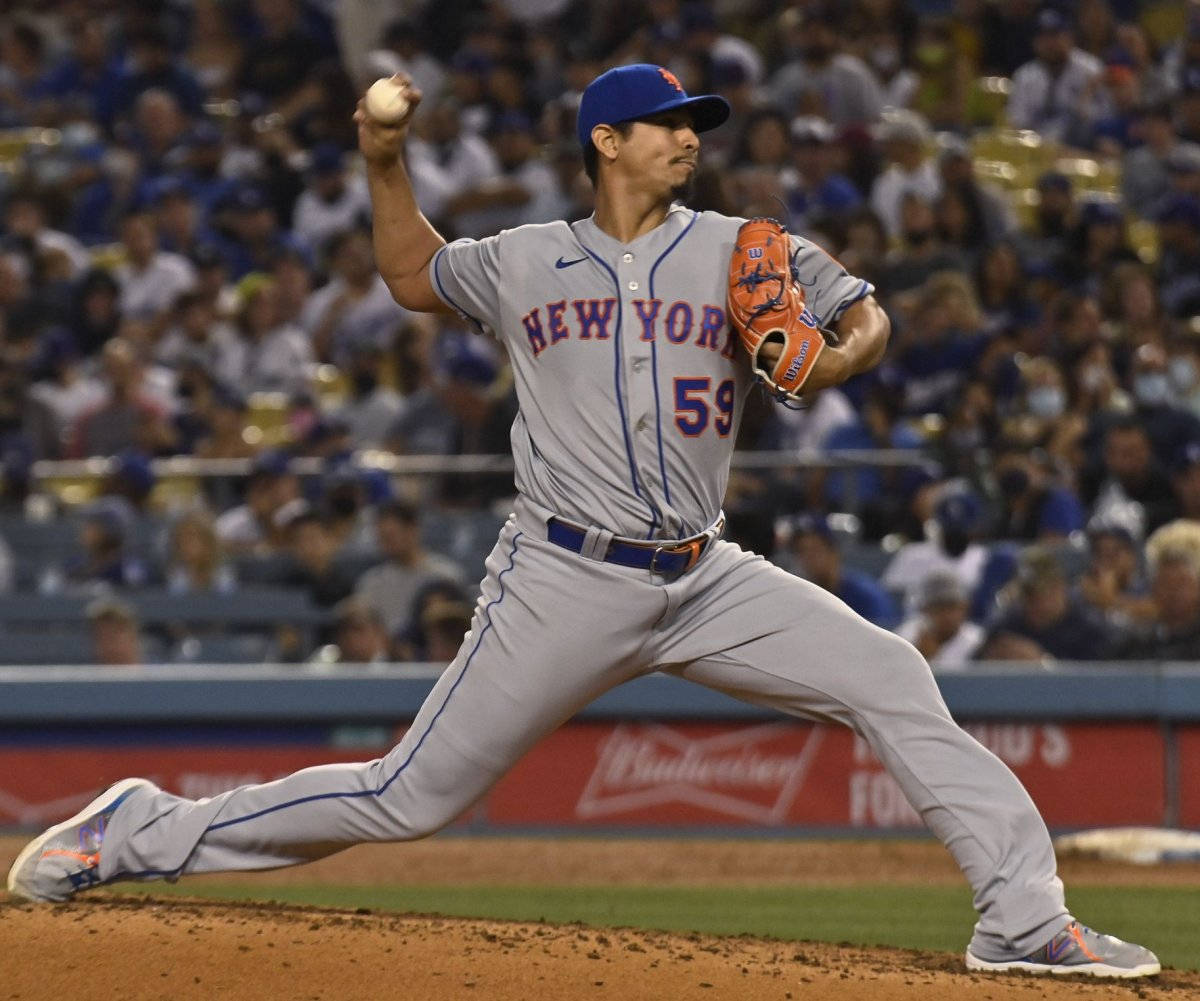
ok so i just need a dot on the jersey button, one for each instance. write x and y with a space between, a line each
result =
642 424
639 364
633 286
627 258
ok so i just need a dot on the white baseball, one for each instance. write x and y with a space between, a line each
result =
386 102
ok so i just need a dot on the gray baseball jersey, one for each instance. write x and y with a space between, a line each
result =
630 379
631 388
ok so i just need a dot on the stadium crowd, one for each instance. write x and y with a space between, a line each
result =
186 269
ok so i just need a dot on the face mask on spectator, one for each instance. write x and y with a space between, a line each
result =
1046 401
1182 373
1151 388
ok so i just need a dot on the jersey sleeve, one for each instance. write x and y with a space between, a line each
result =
829 288
466 276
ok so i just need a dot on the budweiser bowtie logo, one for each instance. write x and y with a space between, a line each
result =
752 773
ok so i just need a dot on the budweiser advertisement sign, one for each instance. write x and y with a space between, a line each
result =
750 774
777 775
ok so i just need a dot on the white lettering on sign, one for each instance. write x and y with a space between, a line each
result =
877 801
735 773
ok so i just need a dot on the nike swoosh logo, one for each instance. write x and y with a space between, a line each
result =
560 263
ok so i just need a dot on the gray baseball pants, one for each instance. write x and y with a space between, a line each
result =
552 631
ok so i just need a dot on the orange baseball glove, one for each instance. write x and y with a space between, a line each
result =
766 305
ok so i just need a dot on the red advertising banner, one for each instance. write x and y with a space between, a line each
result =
1189 776
793 774
648 775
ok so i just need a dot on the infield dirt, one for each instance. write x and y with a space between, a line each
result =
183 949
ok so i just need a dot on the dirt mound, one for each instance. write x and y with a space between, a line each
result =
187 950
181 950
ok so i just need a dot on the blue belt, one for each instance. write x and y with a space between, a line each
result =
670 558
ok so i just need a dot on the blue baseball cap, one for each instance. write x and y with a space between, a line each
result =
628 92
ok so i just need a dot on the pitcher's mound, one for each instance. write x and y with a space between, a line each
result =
187 950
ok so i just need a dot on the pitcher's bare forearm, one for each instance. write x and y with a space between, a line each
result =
405 241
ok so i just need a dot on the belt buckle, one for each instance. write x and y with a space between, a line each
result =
692 548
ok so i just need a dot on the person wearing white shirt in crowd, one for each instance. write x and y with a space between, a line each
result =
332 201
1057 93
196 334
820 78
26 219
267 355
941 629
445 161
525 190
354 307
151 280
906 137
957 516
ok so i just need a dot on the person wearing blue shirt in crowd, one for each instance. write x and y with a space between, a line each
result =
818 559
1031 507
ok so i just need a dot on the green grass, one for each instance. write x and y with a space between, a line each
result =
911 917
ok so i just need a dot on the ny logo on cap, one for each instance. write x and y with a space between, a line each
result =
672 79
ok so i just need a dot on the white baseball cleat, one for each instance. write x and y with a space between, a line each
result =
1078 950
66 859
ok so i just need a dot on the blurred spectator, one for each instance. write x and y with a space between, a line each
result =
1128 474
920 253
116 636
1033 507
1185 480
152 66
96 312
444 162
1044 612
1055 93
268 355
130 481
1144 167
177 218
941 629
1002 295
816 191
905 137
151 280
1045 244
195 335
372 408
391 587
1173 555
26 218
129 413
1168 426
348 511
818 78
1113 584
1178 219
355 307
250 527
819 560
333 200
957 521
1099 244
359 637
224 430
312 550
1132 304
941 339
104 559
194 559
60 395
524 189
441 615
875 493
285 45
